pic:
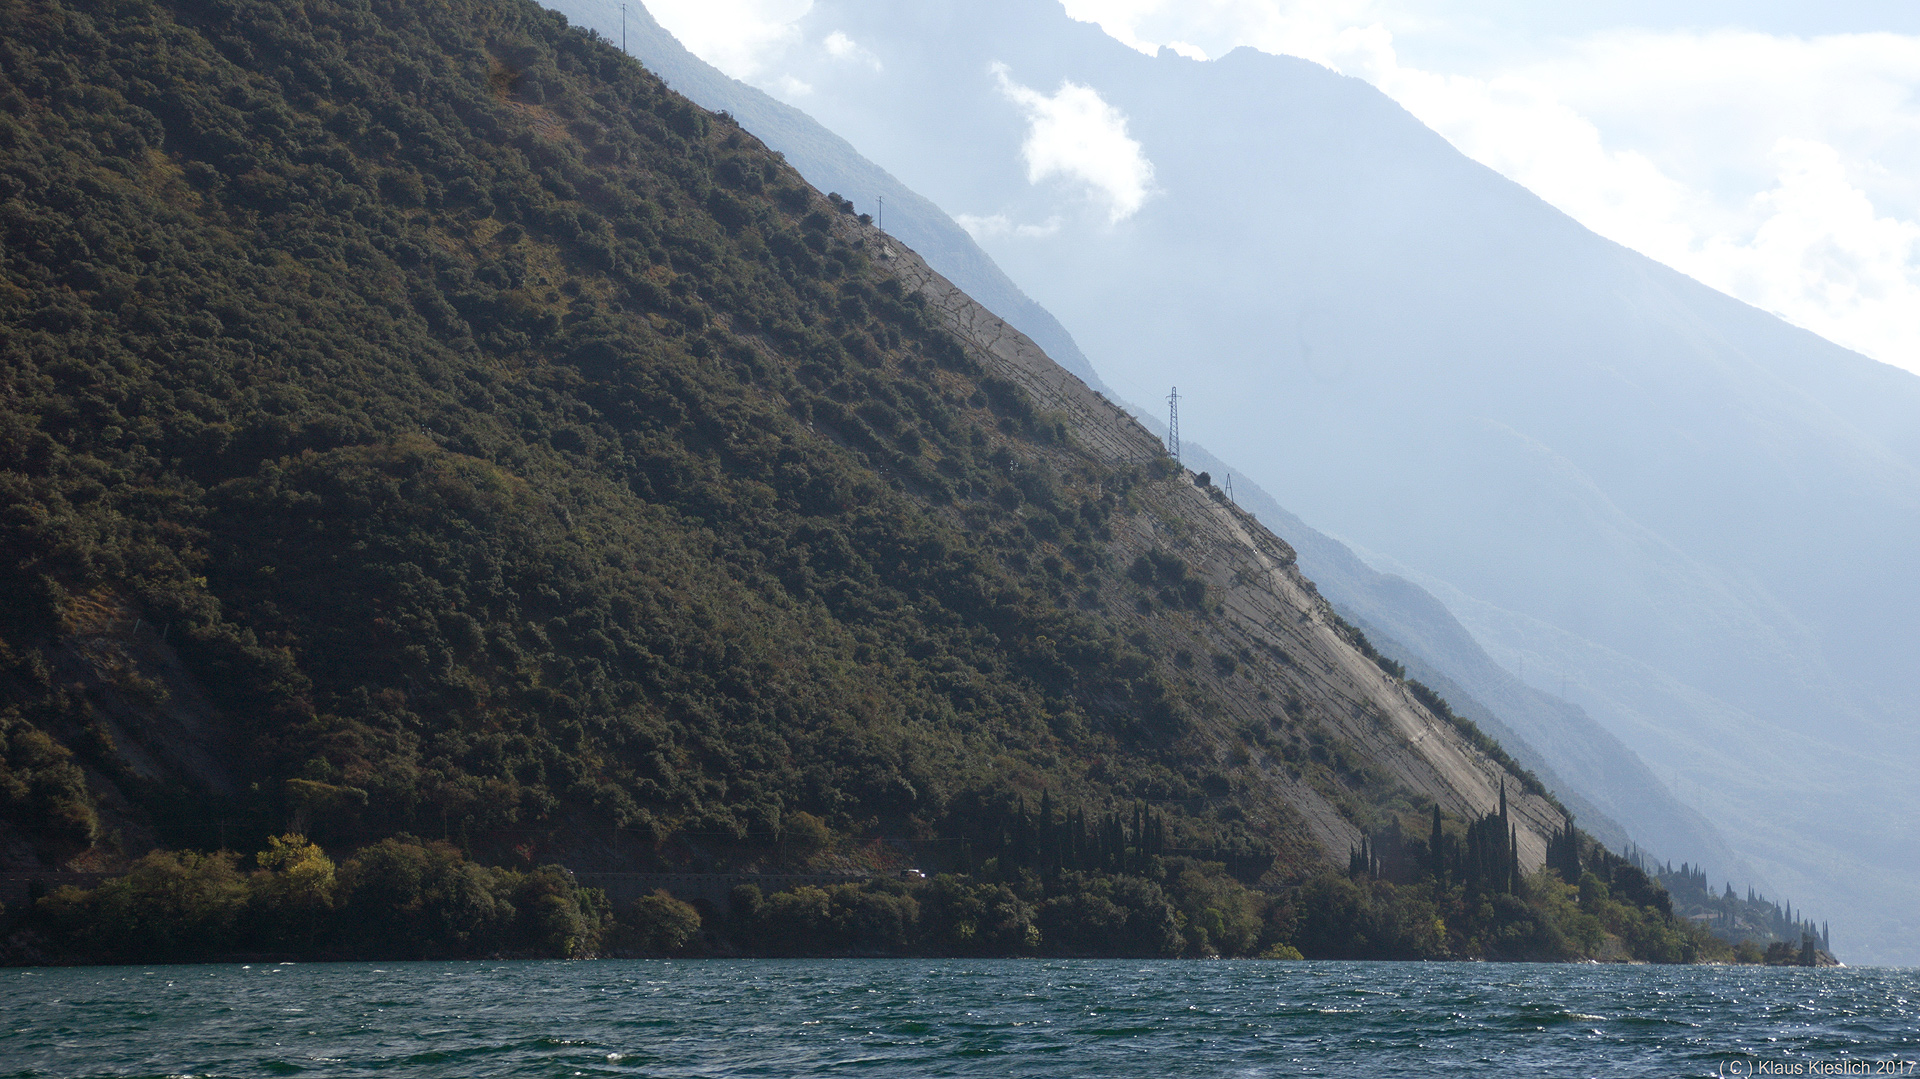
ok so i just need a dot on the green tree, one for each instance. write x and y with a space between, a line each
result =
663 925
173 906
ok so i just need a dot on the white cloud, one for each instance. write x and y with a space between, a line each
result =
993 225
1075 135
1784 171
841 47
743 38
1824 258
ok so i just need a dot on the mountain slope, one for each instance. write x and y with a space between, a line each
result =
421 420
1693 514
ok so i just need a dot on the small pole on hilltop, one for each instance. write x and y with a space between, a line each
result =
623 29
1173 424
881 218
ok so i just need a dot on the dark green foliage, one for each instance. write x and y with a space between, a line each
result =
1121 916
878 917
1167 575
1183 908
42 788
403 891
171 907
397 899
1340 918
659 924
804 835
1005 836
1563 853
401 898
1781 954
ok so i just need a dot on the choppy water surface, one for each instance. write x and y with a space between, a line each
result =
1106 1019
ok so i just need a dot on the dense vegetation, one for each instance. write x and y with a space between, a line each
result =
404 898
416 421
397 899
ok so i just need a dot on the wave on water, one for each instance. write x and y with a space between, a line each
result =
1067 1019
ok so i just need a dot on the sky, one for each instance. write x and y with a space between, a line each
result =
1769 149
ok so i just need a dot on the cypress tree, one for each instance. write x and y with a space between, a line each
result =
1439 866
1513 859
1563 853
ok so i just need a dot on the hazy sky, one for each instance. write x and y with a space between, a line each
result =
1769 149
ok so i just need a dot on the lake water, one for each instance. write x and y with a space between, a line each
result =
1095 1018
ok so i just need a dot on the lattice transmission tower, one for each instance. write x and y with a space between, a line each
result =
1173 423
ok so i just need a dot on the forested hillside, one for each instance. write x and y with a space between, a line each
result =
424 433
498 440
